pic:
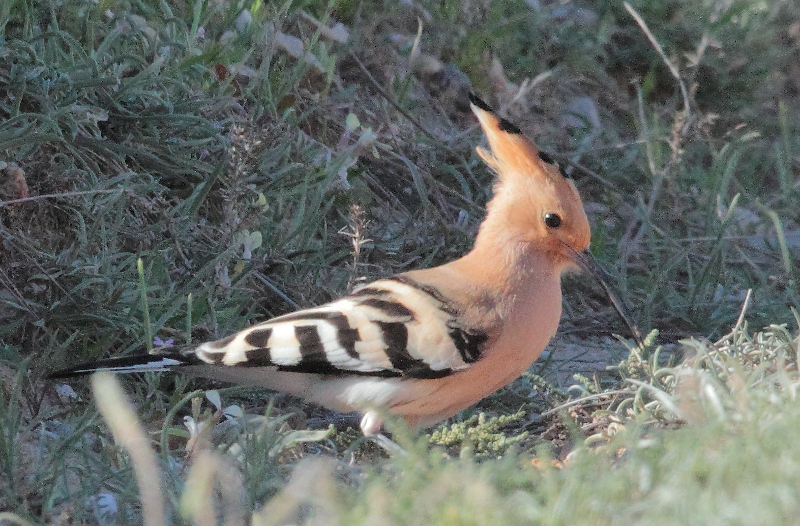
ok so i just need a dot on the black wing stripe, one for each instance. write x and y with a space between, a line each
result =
446 304
395 337
258 337
214 358
369 291
391 308
260 357
305 315
311 348
330 370
346 335
426 373
470 344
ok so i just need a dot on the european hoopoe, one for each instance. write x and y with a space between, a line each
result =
424 344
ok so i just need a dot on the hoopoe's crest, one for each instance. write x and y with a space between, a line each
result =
427 343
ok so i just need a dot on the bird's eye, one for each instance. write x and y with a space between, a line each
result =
552 220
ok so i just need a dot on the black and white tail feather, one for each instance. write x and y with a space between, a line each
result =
161 360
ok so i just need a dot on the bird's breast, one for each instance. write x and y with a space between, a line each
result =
530 318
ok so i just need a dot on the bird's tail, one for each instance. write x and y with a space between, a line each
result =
164 361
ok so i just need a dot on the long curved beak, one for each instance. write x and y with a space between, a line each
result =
586 261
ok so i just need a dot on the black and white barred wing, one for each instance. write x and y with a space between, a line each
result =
391 327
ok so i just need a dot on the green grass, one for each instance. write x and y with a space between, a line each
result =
248 183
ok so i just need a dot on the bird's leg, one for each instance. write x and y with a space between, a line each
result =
371 426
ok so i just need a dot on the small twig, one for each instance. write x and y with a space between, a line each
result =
276 290
51 196
664 57
391 100
356 225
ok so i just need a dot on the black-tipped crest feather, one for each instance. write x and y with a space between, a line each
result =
477 101
546 158
509 127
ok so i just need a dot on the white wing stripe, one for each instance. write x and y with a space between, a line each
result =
234 351
283 345
335 353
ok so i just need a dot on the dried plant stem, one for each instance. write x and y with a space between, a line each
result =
391 100
54 196
148 329
581 400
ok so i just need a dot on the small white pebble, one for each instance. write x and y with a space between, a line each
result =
66 391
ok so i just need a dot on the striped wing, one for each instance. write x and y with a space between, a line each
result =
391 327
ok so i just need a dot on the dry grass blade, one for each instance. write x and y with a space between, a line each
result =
6 517
197 502
121 418
674 70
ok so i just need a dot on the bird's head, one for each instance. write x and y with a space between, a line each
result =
535 202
